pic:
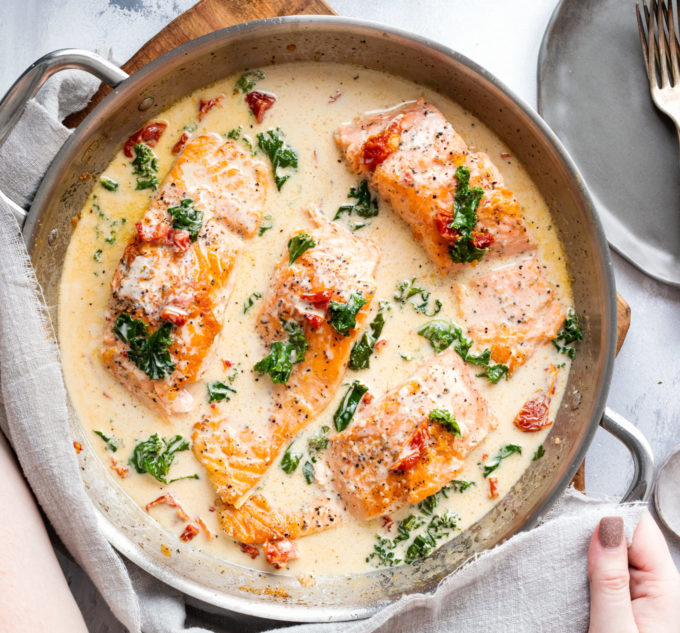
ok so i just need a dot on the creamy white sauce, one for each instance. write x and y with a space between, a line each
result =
304 111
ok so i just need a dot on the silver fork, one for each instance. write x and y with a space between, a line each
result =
660 49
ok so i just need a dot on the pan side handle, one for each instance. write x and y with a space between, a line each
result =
14 102
640 488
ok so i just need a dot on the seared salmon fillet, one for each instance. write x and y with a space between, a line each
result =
511 310
340 265
410 156
392 453
171 286
257 521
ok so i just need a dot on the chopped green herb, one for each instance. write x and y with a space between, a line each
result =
248 303
464 219
382 550
362 349
365 206
97 255
298 244
186 217
109 184
155 456
148 351
348 405
424 544
218 391
540 451
427 505
280 154
569 334
491 464
145 166
236 134
319 441
343 316
461 485
246 82
308 472
446 419
112 443
265 225
406 357
442 334
290 461
408 291
192 126
279 363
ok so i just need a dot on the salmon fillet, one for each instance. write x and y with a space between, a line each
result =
368 458
167 277
410 155
512 311
257 521
338 266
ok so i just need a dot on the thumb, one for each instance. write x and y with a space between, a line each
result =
610 604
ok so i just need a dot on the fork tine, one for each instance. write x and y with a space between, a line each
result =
643 33
651 44
673 42
663 60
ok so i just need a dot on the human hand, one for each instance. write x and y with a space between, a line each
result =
636 589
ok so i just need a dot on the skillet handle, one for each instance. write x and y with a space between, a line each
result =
14 102
640 488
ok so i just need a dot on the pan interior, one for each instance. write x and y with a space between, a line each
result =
203 61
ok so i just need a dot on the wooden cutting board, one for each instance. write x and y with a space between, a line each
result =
207 16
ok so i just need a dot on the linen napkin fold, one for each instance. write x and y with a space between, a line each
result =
535 582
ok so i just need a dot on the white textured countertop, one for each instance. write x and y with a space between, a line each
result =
646 382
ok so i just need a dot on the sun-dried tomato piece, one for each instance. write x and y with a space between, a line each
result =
181 240
121 471
278 553
387 522
314 320
205 105
533 416
170 500
259 102
175 315
153 232
443 222
148 135
179 145
319 299
251 550
414 448
189 532
378 147
493 487
482 239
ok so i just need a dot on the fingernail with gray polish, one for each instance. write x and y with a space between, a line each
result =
611 531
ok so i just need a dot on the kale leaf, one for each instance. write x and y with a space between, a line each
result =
343 316
348 406
145 166
298 244
148 351
363 348
186 217
155 456
280 154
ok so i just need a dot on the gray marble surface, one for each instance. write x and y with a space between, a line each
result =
505 38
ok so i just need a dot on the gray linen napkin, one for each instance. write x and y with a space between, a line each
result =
535 582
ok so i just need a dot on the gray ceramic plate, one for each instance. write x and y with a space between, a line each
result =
594 93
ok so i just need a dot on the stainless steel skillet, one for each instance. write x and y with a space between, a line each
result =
47 229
